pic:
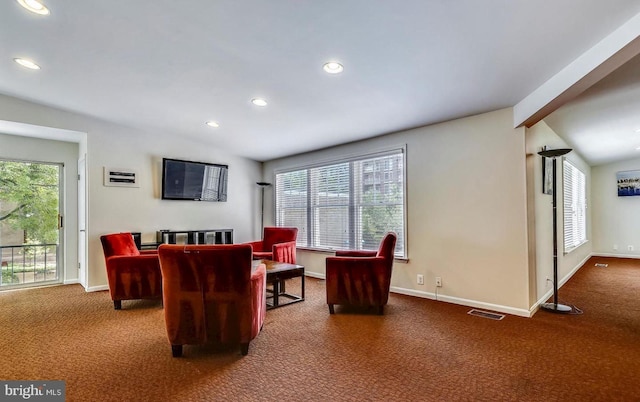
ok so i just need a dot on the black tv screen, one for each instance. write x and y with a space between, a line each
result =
195 181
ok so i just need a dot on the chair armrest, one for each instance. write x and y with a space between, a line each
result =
257 245
133 276
133 262
285 252
258 300
356 253
259 271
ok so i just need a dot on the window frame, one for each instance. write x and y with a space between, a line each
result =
397 150
578 214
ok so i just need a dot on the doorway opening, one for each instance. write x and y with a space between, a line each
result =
30 223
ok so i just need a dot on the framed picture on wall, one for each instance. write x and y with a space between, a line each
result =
547 175
628 183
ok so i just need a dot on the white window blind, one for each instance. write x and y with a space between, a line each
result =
349 204
575 224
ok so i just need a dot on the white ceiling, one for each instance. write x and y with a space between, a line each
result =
168 66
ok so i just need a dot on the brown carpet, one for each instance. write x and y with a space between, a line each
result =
420 350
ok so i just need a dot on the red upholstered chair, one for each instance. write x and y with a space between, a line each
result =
277 244
361 278
131 274
212 294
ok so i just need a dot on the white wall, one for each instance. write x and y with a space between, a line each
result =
113 209
40 150
536 137
466 200
615 219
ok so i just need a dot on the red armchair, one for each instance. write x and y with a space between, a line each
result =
131 274
277 244
361 278
212 293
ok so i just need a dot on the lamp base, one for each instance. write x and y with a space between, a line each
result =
556 308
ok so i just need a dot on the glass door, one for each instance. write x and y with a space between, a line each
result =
30 223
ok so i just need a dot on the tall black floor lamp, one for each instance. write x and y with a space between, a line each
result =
262 185
555 306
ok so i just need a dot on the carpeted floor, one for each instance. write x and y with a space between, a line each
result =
420 350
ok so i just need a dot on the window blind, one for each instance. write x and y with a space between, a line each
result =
574 189
349 204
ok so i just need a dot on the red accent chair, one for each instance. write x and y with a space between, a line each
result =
361 278
277 244
132 274
212 294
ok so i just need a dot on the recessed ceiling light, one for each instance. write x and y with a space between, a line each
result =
212 123
637 130
34 6
333 67
259 102
637 148
27 63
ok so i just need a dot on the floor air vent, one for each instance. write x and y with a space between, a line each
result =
486 314
601 265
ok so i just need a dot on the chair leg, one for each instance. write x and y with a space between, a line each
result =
117 304
244 349
331 310
380 310
176 350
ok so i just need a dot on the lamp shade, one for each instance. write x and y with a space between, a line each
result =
554 153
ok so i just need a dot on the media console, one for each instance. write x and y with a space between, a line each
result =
209 236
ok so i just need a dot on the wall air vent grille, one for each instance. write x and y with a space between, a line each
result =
117 177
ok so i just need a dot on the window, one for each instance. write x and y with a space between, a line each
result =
349 204
575 204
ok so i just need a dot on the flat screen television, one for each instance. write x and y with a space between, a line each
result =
194 181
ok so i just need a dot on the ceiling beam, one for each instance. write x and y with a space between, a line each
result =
49 133
595 64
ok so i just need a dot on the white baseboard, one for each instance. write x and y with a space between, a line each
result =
464 302
315 275
615 255
448 299
412 292
71 281
562 281
97 288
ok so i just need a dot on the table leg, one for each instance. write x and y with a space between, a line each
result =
276 292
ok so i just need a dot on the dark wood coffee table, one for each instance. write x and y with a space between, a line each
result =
277 273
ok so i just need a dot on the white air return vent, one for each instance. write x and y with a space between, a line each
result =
486 314
117 177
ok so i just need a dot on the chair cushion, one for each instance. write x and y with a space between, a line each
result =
119 244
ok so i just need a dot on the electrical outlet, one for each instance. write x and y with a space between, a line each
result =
630 247
438 281
615 247
420 279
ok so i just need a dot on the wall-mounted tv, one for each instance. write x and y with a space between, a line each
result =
194 181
